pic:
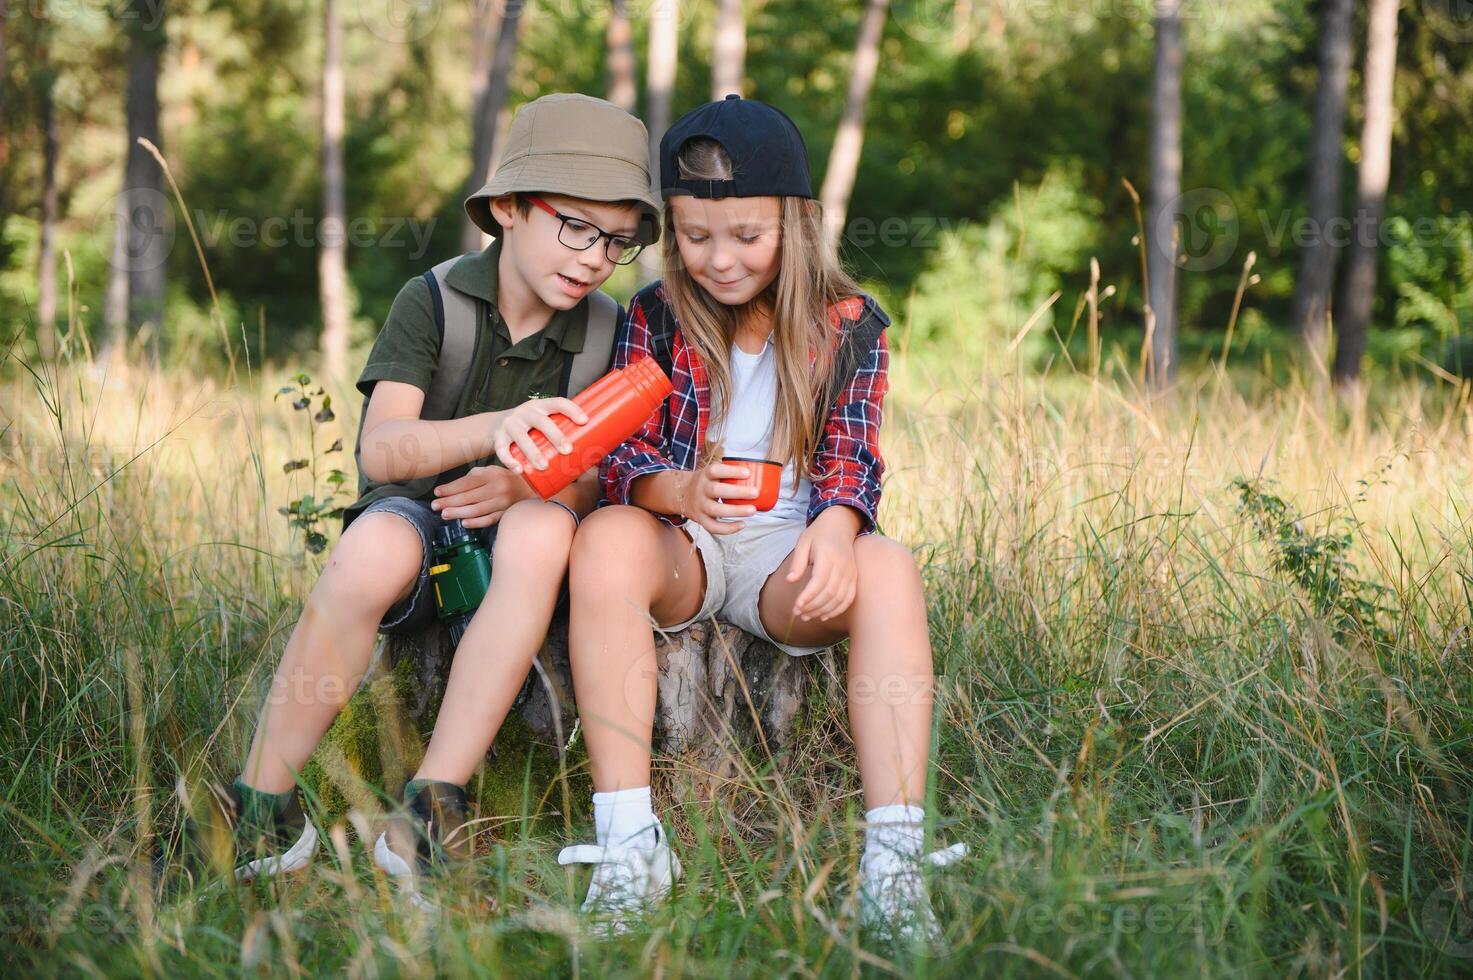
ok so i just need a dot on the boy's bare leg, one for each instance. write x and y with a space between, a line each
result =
533 540
629 570
890 682
374 565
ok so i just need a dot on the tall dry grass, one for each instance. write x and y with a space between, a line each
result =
1164 753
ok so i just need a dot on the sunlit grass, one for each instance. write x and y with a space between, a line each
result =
1162 757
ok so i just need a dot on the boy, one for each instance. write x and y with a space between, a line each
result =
571 198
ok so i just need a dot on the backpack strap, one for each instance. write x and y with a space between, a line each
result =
853 349
661 321
457 316
592 362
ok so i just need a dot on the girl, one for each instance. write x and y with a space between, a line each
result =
775 353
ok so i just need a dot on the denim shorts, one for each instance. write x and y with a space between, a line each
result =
416 611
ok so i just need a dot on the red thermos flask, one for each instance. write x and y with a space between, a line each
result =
617 405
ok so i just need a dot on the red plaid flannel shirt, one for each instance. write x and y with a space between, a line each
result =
672 438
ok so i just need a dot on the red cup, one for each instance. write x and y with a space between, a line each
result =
764 475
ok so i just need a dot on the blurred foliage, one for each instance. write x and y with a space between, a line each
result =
977 107
986 282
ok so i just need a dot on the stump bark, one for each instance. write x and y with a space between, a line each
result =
721 691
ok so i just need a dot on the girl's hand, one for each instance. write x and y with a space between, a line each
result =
518 423
702 494
479 498
829 548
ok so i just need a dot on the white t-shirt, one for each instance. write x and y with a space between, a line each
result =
747 428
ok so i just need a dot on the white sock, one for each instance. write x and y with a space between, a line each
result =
624 816
897 828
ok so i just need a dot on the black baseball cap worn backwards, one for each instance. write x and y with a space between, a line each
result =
768 156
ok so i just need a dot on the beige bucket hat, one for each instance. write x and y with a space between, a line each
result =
575 145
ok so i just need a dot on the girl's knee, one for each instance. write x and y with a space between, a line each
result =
885 563
619 533
617 551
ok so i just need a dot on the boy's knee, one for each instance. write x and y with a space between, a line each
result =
374 564
534 533
547 521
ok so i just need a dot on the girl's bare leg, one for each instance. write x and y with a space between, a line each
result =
890 682
629 571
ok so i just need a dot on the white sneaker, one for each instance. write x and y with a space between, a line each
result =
428 836
892 895
627 879
402 873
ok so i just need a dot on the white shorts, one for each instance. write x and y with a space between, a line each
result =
737 566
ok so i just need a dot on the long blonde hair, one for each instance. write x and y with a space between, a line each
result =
809 281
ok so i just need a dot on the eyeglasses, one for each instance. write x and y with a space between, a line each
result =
579 235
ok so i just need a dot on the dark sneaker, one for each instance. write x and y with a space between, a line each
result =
425 839
224 840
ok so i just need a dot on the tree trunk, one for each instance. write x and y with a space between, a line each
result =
729 57
332 253
961 26
620 44
1317 265
115 306
660 77
148 212
46 271
843 167
1375 173
997 24
485 25
720 690
1165 155
4 118
487 113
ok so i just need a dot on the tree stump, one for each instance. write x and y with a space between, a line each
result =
721 690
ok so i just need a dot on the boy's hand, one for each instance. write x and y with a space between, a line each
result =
701 498
479 498
517 424
829 547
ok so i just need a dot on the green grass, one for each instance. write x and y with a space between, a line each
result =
1168 754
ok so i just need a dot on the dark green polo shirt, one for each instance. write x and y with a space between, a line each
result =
503 374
